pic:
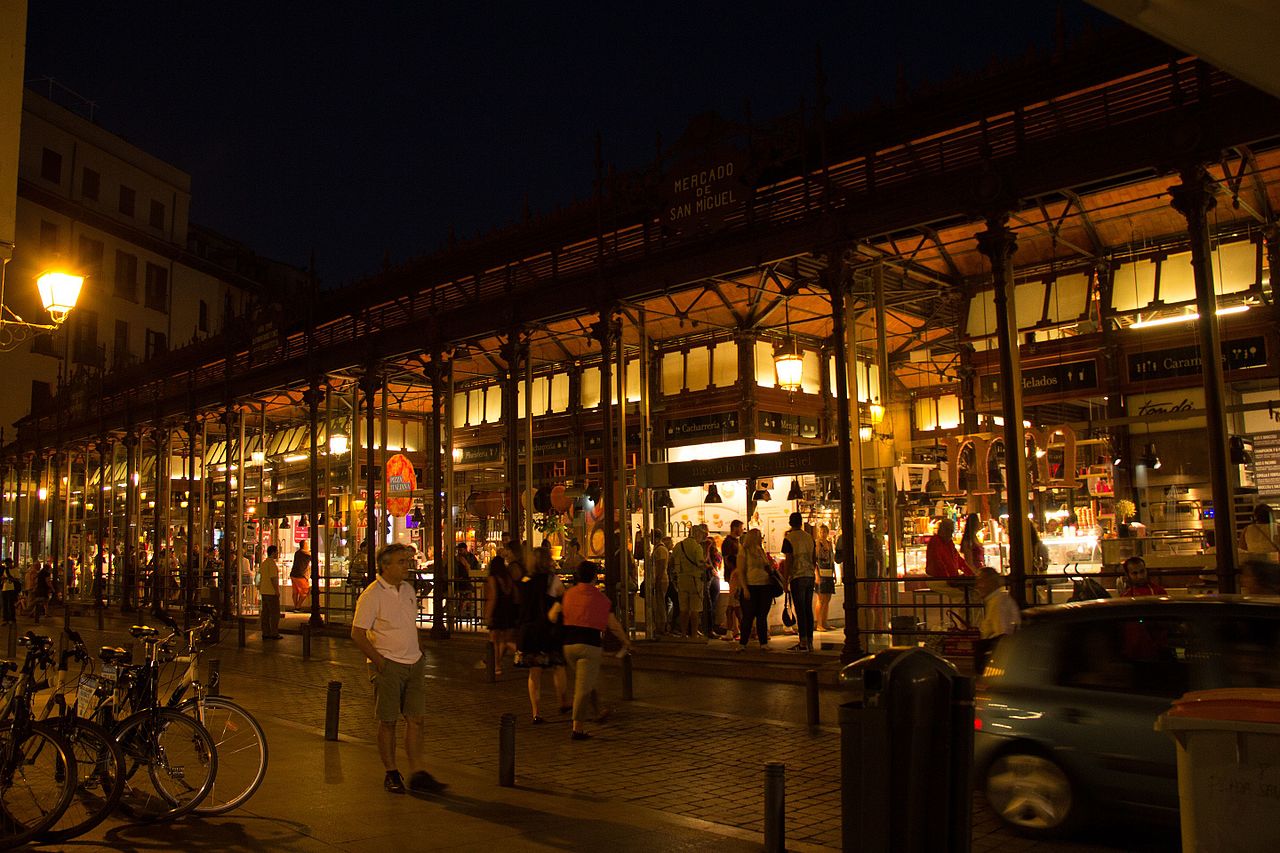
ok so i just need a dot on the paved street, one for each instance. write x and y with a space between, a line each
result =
681 767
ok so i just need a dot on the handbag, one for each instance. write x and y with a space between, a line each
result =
788 615
775 582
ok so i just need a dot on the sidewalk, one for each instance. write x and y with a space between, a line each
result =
681 768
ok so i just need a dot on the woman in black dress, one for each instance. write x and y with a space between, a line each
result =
502 610
539 637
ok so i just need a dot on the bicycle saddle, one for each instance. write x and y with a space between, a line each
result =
144 632
35 641
114 654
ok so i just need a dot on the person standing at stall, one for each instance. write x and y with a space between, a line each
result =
300 574
757 592
689 565
824 573
269 593
798 550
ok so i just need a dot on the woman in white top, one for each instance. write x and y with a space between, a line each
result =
757 592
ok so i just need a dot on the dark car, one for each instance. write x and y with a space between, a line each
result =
1065 711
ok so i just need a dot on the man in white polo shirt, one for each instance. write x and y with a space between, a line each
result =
385 629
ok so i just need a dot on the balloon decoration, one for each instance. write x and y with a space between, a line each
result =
401 482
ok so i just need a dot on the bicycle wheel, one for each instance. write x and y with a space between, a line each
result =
99 779
37 781
242 752
180 762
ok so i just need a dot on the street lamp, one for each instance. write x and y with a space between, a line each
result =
58 294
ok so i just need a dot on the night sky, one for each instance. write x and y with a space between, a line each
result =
363 130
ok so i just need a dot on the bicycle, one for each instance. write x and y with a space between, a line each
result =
38 770
179 754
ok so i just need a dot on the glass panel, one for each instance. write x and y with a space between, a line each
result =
459 410
590 387
633 381
1235 267
560 392
810 379
699 368
766 375
949 412
493 404
1138 656
672 372
1067 301
1177 283
725 364
475 410
540 391
1029 300
982 314
1133 286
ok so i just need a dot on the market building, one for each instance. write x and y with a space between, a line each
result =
1043 296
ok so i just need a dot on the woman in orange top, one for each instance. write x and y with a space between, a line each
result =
587 615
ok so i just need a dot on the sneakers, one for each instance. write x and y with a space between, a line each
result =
800 647
422 782
394 782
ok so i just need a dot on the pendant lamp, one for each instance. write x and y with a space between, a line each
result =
794 493
713 495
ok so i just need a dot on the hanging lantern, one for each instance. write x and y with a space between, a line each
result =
788 361
795 493
713 495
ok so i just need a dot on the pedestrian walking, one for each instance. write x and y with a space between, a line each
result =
269 592
540 645
10 586
385 629
502 612
587 614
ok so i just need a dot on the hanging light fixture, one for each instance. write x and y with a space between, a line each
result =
760 493
1150 458
713 495
833 492
934 486
788 358
662 499
419 518
794 493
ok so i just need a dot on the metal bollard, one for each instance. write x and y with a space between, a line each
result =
101 617
331 710
507 751
491 661
811 695
775 808
215 677
627 693
13 641
306 641
241 628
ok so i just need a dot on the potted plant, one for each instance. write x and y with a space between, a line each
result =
1124 511
553 529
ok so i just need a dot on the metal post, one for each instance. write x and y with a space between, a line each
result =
369 383
240 630
312 397
306 641
444 584
811 695
775 808
215 677
890 498
628 692
604 331
998 244
333 703
510 400
835 286
11 651
1193 198
507 751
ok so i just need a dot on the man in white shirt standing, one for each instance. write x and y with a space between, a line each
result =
385 630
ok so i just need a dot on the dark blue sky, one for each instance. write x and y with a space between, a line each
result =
356 130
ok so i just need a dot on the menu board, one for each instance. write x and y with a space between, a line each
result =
1266 463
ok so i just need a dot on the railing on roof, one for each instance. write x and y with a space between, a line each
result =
1136 97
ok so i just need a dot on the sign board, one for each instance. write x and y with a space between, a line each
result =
1238 354
551 446
1047 381
401 482
1266 464
593 442
810 460
480 454
720 426
700 194
1160 409
301 534
797 426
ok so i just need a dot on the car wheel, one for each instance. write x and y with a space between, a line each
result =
1032 793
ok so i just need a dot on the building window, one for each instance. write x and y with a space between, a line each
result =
157 215
48 236
157 344
127 276
157 292
51 166
84 342
89 256
203 323
127 199
90 184
41 395
121 352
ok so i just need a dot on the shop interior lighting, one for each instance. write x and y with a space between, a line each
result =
1187 317
795 493
877 413
713 495
1150 458
296 457
257 457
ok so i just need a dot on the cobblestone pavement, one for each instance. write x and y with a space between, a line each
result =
690 746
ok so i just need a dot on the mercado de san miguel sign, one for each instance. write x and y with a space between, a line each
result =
702 194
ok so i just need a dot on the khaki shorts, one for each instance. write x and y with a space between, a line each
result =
399 690
690 601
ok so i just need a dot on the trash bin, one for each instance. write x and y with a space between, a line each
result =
1228 745
906 753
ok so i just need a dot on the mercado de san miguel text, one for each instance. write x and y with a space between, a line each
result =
1044 297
